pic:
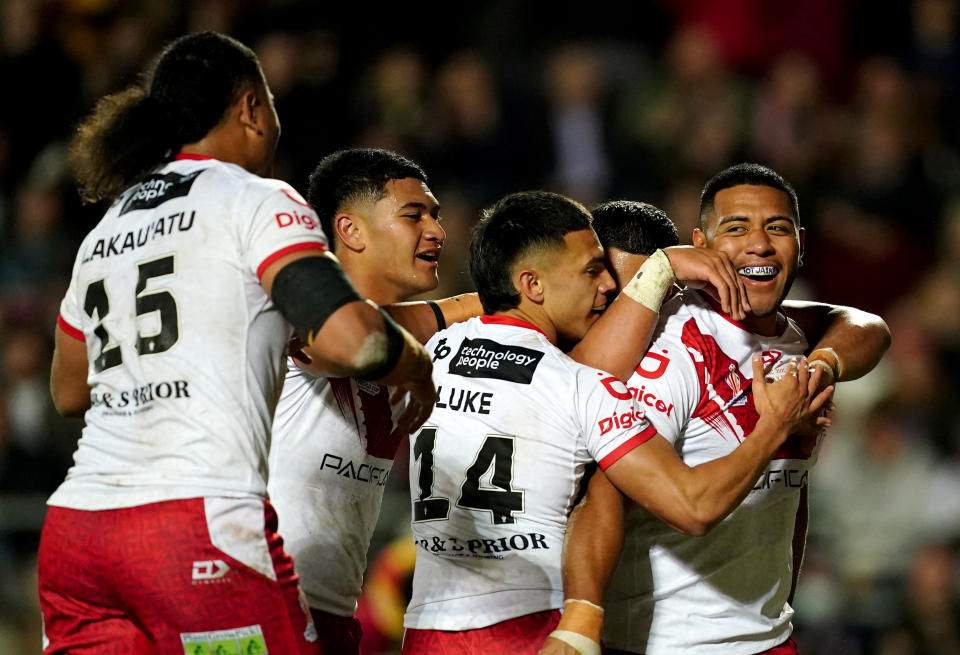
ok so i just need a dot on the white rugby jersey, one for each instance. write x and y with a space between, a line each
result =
725 592
185 348
334 440
496 469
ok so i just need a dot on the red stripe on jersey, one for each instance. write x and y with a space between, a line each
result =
726 395
378 436
69 329
310 245
500 319
643 437
191 155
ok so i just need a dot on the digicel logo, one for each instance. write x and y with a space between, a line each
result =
623 421
286 219
653 365
620 391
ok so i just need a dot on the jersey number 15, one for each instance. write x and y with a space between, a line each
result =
96 302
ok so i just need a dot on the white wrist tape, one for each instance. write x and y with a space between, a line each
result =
581 644
651 283
584 602
836 369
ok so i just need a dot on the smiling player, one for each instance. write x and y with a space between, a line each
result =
334 439
496 469
727 592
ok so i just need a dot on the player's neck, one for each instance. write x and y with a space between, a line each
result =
220 143
768 326
369 283
535 316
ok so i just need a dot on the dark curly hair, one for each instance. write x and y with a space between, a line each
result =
193 82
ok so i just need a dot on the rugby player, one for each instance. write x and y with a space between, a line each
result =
496 469
730 591
170 343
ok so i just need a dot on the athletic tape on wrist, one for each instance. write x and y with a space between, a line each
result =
836 369
581 644
584 602
651 283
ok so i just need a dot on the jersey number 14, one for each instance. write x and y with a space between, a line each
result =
502 501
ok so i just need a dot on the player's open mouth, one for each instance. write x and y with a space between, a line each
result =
432 257
759 273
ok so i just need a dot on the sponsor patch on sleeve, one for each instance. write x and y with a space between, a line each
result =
483 358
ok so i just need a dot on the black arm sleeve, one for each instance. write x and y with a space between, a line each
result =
307 291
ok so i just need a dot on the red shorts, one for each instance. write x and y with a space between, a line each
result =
523 635
193 576
338 634
789 647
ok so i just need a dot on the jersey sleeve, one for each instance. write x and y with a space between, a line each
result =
611 421
278 222
666 386
71 315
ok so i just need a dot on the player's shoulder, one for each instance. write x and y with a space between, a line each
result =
495 347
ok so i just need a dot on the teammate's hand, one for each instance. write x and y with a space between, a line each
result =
423 395
821 377
792 400
712 271
556 647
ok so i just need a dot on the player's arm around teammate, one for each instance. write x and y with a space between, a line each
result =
617 342
689 499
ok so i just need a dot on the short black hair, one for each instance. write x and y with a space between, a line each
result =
745 173
635 227
346 176
513 226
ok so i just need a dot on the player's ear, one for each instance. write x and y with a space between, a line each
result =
802 235
246 108
530 285
699 238
348 230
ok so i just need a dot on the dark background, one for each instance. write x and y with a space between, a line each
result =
855 103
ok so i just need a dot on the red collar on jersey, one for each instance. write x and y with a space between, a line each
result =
500 319
781 317
190 155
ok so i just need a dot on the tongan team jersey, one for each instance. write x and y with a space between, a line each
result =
725 592
496 469
185 348
334 440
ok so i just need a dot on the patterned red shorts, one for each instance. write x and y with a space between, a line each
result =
523 635
194 576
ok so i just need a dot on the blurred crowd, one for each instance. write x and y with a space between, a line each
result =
856 103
